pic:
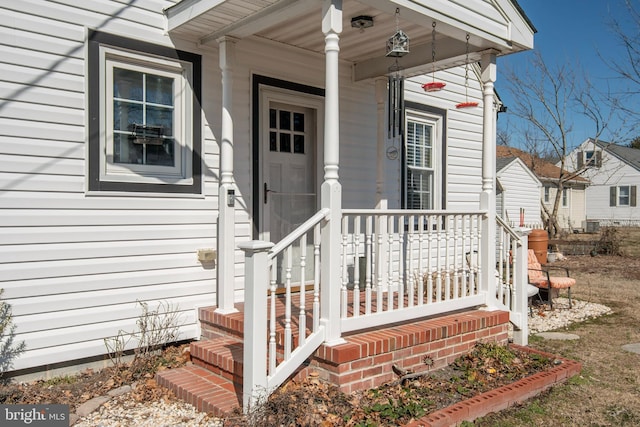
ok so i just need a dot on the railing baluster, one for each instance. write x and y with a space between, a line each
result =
316 278
380 259
287 303
409 260
302 318
439 261
368 263
356 266
401 240
390 281
430 267
345 273
456 256
272 316
447 266
479 245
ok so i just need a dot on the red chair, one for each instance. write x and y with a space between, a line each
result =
539 276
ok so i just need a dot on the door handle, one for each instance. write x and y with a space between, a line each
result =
266 191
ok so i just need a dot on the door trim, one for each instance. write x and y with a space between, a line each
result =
260 82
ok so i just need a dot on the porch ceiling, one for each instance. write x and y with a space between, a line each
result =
494 25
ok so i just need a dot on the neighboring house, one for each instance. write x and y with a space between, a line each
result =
518 195
143 143
614 172
572 209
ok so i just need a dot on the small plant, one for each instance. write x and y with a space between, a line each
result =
609 243
155 329
9 350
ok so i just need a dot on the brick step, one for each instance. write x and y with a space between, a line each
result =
221 355
203 389
232 325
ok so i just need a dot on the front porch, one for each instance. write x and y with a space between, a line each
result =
362 272
411 290
214 382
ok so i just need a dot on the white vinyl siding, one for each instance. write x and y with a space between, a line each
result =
82 259
73 266
521 190
601 203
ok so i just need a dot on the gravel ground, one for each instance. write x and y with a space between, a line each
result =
562 316
123 411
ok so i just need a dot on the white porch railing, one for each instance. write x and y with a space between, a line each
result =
403 264
511 277
396 265
271 276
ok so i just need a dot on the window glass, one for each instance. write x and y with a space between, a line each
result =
144 130
623 195
419 151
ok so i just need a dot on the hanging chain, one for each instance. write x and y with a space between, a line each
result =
466 70
433 50
397 19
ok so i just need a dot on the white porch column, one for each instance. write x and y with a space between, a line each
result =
331 191
488 195
226 189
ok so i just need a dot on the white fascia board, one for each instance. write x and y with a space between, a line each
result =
187 10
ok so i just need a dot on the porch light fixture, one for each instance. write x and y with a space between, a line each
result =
467 103
361 22
398 44
433 85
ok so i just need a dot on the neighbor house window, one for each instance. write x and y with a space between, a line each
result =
547 193
144 117
590 158
423 145
565 197
623 195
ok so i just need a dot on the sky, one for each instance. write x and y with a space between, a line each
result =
575 32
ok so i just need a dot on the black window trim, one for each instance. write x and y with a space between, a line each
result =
409 105
97 39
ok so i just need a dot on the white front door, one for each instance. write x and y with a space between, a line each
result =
289 178
289 146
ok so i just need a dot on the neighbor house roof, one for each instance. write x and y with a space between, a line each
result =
628 155
545 171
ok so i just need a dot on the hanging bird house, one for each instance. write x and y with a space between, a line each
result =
398 45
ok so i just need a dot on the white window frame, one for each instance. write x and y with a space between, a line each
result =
620 195
436 123
547 193
181 173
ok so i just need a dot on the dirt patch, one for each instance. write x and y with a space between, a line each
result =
315 403
76 389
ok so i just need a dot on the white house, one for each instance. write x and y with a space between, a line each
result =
614 172
143 143
518 195
572 207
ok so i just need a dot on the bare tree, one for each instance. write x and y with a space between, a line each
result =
627 66
547 100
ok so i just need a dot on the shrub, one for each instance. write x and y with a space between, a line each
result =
9 350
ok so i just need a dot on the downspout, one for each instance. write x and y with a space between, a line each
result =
227 188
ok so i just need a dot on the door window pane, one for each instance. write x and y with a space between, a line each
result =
285 120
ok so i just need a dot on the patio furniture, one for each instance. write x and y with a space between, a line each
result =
539 276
